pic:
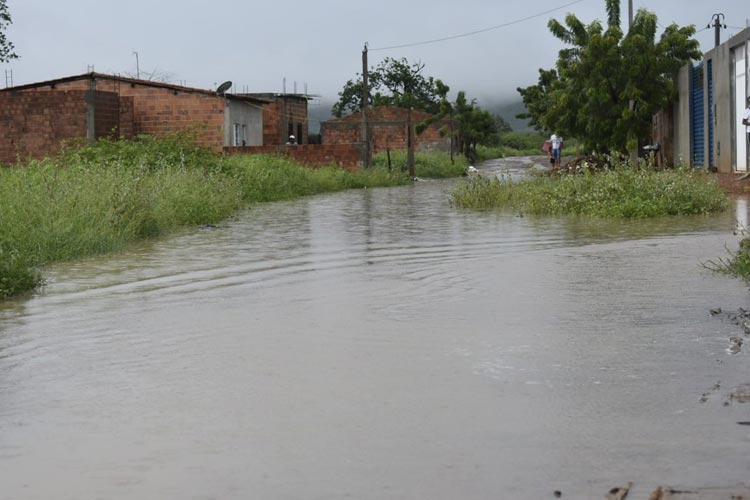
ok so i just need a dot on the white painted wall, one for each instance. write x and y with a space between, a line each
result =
740 91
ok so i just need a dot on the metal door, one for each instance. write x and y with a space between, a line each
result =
697 130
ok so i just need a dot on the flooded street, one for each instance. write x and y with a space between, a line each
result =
380 344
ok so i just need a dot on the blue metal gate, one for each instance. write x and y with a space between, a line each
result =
697 131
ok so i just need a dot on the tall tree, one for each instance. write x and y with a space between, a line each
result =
467 123
607 85
475 125
394 82
6 47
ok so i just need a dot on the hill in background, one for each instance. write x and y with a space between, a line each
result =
507 110
319 110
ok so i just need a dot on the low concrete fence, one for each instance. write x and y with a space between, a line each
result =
347 156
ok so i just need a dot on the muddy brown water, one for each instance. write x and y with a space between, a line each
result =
380 344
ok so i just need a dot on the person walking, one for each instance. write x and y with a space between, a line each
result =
557 142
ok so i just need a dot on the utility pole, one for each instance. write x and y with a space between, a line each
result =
634 149
717 26
410 146
630 13
364 135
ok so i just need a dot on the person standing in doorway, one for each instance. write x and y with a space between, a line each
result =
292 141
556 141
746 121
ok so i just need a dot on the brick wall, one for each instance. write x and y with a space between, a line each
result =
157 110
107 118
34 124
272 123
347 156
388 130
279 114
127 122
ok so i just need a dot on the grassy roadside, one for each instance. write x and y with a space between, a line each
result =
428 164
98 199
611 193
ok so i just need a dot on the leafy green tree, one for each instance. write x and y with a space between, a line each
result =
394 82
607 85
469 124
475 125
6 47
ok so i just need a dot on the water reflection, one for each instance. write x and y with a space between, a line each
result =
378 344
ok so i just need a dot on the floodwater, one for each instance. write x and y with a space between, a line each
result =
379 344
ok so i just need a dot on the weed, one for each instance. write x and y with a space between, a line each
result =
612 193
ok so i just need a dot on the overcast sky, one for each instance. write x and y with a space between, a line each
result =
316 43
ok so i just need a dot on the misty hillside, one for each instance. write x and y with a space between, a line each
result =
320 110
508 111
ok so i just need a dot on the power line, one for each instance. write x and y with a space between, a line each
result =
478 31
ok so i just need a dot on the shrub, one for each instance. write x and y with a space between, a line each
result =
737 264
618 192
17 274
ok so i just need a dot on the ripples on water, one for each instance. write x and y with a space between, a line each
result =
378 344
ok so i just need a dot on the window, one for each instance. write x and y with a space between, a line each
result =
239 135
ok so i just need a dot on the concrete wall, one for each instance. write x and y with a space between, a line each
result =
250 119
347 156
722 108
37 124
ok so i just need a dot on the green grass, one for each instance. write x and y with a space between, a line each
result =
271 178
429 165
737 264
612 193
98 199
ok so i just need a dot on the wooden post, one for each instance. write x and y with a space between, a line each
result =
366 157
410 146
452 138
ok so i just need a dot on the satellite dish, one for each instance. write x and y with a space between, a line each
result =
223 88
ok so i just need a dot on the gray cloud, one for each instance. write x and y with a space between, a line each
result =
317 44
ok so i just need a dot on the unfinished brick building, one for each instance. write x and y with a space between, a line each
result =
388 130
36 124
36 118
283 115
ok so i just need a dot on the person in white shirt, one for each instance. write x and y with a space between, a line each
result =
556 141
746 119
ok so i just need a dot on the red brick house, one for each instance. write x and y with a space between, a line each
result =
388 129
36 118
283 115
